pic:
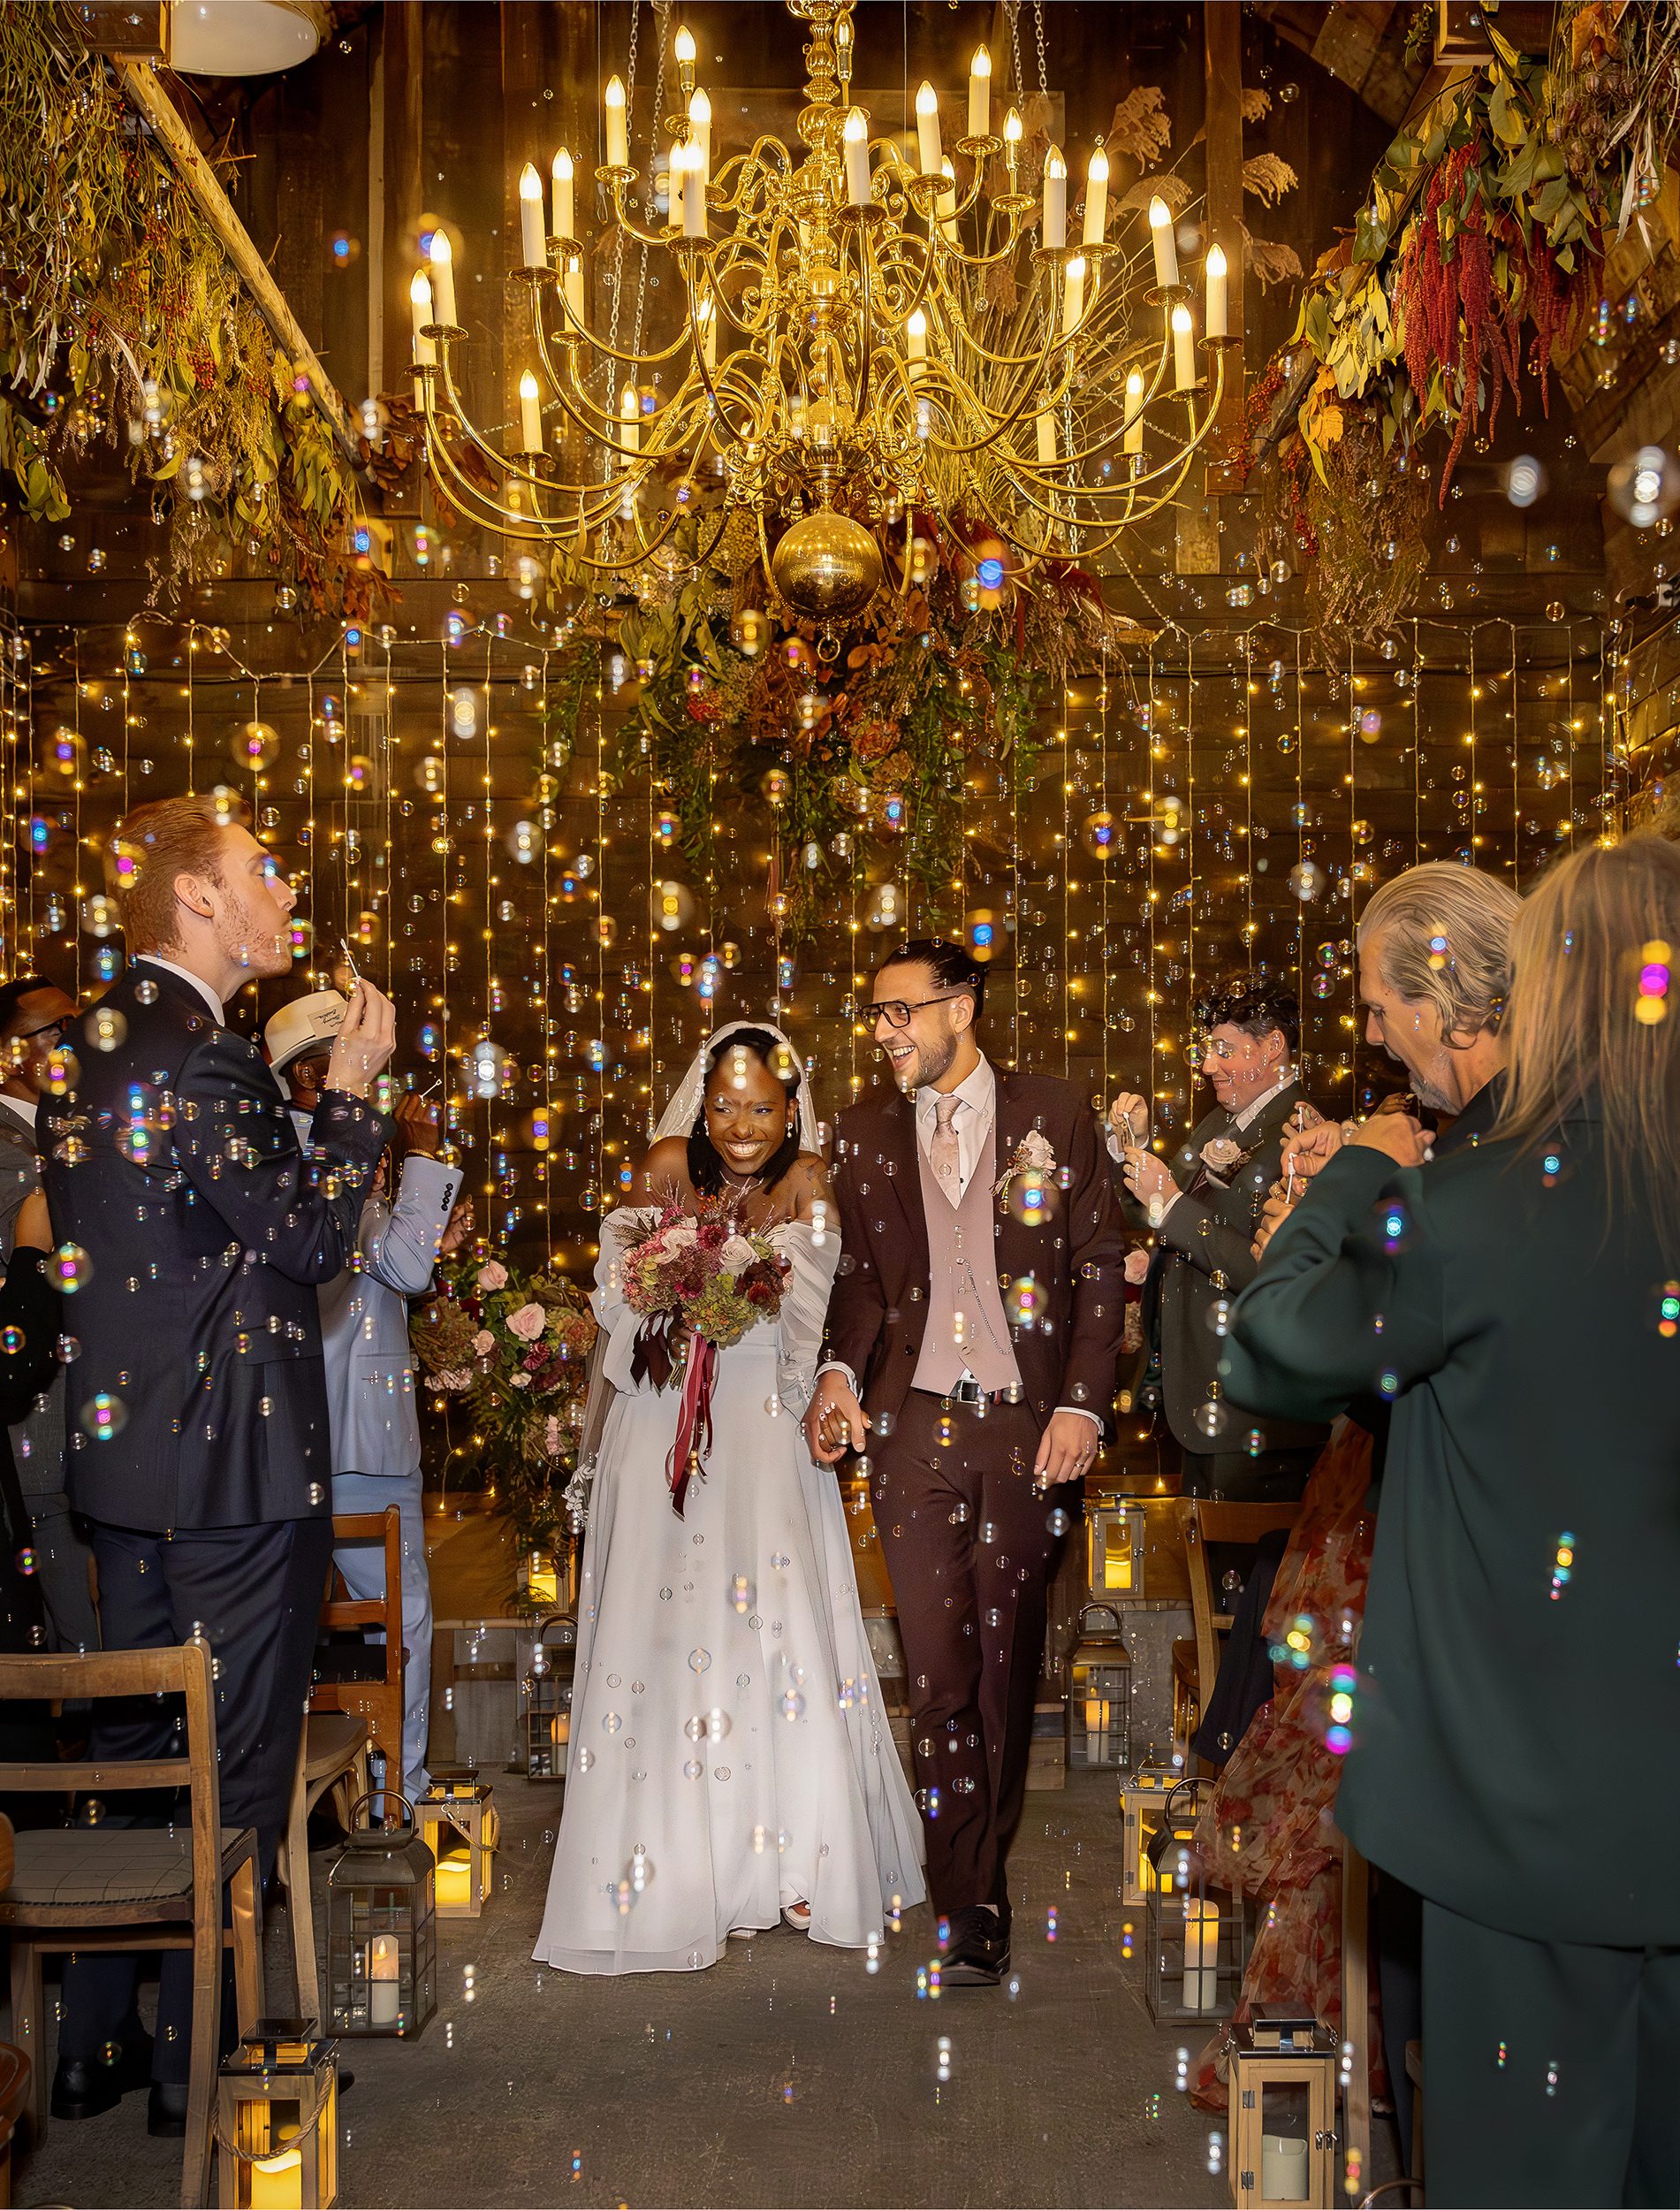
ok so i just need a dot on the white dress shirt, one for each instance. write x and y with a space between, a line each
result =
170 966
25 1108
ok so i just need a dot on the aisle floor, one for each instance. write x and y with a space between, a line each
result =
787 2074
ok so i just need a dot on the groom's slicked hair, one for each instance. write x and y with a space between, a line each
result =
706 1168
954 965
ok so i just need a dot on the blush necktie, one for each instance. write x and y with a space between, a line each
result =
943 1153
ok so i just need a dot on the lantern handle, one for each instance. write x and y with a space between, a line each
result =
1085 1611
557 1619
1192 1784
392 1795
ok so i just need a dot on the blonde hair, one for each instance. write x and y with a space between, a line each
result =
153 845
1446 937
1593 1012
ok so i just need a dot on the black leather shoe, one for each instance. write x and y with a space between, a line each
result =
977 1952
83 2088
166 2110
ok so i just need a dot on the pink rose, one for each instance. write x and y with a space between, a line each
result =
483 1343
527 1322
493 1274
1137 1265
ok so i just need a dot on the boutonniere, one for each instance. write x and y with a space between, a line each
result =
1221 1153
1034 1154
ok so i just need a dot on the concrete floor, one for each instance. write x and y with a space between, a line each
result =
787 2074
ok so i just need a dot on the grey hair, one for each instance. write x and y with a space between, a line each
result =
1443 932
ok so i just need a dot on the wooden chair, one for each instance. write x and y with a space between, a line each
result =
365 1679
333 1755
1196 1660
134 1887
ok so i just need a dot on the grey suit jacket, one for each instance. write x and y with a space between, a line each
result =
38 1441
364 1320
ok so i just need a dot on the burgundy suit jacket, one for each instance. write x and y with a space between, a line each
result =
878 1309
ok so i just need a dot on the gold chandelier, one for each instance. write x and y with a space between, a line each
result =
864 341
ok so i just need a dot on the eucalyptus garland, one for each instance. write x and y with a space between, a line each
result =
121 322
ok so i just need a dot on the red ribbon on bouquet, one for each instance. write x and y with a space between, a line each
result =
694 1418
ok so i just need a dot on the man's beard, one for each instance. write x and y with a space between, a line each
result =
258 953
931 1062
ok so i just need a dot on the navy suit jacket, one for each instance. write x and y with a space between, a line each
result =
198 1397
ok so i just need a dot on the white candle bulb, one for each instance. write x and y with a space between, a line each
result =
443 277
530 415
980 94
421 306
948 200
915 339
571 286
676 178
857 158
1055 223
1046 423
1160 231
1216 283
700 137
683 46
630 420
1135 411
1073 301
1012 131
929 152
1183 348
618 128
694 193
564 195
530 217
1095 197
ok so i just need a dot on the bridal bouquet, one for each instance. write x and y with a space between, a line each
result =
700 1282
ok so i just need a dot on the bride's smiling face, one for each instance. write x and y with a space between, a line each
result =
747 1113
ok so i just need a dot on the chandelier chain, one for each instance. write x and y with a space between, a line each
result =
1039 33
629 109
1012 10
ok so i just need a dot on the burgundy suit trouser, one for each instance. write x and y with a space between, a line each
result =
969 1546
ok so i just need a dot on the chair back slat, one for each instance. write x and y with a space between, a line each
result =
95 1672
55 1779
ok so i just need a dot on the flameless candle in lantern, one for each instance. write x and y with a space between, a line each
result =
381 1957
928 148
1183 348
565 176
443 277
1115 1532
618 130
1283 2112
459 1828
1099 1693
980 94
1073 301
1142 1798
532 242
530 411
277 2120
1161 233
630 420
1194 1938
856 141
916 342
1217 275
1096 198
1055 217
1135 411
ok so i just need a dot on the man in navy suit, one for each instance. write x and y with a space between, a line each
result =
199 1227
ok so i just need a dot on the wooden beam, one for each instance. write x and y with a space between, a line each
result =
139 81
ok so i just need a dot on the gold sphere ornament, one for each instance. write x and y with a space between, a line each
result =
827 567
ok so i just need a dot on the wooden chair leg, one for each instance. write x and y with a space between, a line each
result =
1356 2007
207 2035
299 1904
28 2028
246 1918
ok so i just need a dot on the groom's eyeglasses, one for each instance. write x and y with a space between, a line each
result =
896 1011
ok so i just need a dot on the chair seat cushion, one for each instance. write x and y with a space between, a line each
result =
60 1868
331 1740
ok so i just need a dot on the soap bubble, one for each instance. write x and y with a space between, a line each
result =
1210 1418
70 1268
1306 880
107 1028
103 1416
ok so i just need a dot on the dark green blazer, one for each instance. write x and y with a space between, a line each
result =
1523 1623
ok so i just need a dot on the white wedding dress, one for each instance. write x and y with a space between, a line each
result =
729 1751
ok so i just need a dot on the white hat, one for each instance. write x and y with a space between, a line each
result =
303 1025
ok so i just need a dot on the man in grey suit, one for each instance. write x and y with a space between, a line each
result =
34 1015
1204 1204
364 1335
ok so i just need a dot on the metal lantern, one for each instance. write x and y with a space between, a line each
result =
458 1827
1283 2114
1196 1936
382 1940
277 2120
1143 1796
548 1699
1115 1533
1099 1693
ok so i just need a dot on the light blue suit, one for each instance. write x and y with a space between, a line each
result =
375 1426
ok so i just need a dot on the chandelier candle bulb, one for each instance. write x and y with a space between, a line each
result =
443 278
571 286
530 412
1012 140
1055 217
1160 231
980 94
1096 198
1073 300
630 420
947 209
530 217
421 306
1046 425
694 193
1183 348
1135 411
929 152
1216 280
915 340
676 175
857 158
618 128
683 47
564 195
700 139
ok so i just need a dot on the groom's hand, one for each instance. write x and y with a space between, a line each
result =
1065 1450
833 1420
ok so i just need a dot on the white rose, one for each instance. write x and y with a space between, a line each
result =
522 1380
1036 1150
735 1255
684 1233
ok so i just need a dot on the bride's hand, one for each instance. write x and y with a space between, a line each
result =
834 1420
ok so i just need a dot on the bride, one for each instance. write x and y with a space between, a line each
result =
731 1764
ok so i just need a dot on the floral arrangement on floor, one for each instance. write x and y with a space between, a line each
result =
512 1347
121 322
701 1281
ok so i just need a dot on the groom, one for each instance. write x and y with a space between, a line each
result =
983 1399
